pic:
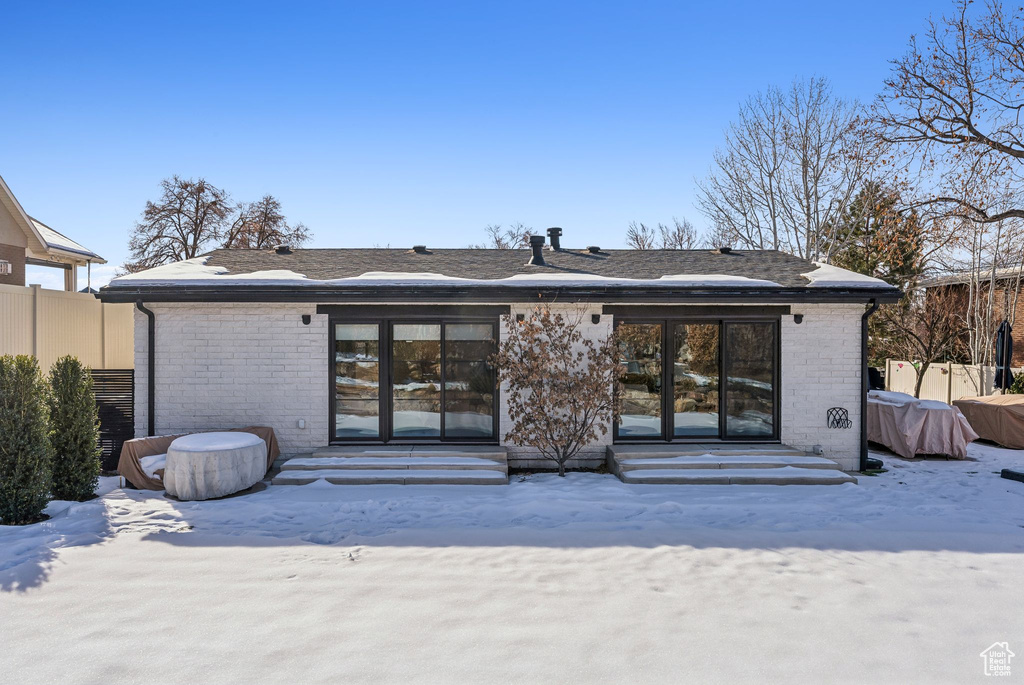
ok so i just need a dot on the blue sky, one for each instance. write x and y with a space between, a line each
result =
382 123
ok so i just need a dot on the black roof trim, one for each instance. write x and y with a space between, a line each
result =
493 294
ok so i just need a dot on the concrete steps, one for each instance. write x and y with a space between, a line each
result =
722 465
420 465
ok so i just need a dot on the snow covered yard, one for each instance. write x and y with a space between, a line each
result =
906 577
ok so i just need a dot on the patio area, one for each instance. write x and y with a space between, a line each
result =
906 576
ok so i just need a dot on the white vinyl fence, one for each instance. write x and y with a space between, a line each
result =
942 381
52 323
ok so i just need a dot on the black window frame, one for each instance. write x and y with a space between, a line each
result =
386 319
668 322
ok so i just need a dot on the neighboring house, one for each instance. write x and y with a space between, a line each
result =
389 346
1007 301
27 241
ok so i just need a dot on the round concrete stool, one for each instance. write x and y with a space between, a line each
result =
207 465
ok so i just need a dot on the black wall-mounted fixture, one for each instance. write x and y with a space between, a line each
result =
520 317
306 318
595 318
537 245
798 318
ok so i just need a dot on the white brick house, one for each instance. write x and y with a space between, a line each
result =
389 346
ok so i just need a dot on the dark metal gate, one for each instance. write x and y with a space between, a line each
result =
115 400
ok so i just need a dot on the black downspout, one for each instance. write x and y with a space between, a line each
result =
873 306
150 369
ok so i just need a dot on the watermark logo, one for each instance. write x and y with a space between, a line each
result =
997 659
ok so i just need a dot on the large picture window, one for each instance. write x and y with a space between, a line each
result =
698 379
414 380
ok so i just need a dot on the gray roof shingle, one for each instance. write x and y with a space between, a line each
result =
325 264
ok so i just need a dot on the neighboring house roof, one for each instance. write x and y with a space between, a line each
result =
964 277
55 240
43 241
363 274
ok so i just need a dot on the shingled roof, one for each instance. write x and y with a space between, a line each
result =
329 264
461 273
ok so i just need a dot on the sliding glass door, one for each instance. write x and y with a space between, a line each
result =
719 380
357 373
436 377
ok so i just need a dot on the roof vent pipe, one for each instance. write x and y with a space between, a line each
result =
593 249
283 249
725 249
555 233
537 245
419 249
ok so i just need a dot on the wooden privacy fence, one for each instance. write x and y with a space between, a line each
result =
943 381
52 323
115 400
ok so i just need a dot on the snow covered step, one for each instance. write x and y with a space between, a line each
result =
695 450
392 477
716 461
783 475
498 454
397 463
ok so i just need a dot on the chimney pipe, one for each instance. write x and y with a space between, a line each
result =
554 233
537 245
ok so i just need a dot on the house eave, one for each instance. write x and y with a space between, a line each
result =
491 294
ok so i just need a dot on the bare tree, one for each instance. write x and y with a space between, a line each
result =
790 165
514 237
681 235
189 216
561 384
640 236
951 110
923 328
262 224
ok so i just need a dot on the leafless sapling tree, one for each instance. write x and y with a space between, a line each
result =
924 328
681 235
640 236
514 237
560 383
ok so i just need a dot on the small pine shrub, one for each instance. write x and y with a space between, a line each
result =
1017 387
24 441
75 434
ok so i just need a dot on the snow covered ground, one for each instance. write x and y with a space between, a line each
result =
906 577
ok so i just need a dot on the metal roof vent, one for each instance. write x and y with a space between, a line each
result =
420 249
554 233
537 245
283 249
593 249
724 250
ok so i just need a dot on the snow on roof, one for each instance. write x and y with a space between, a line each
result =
55 239
829 276
196 272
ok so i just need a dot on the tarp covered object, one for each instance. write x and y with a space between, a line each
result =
909 426
999 418
134 450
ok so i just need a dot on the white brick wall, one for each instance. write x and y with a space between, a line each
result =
228 365
527 457
224 365
821 369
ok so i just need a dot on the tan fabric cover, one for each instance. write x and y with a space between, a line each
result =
999 418
910 427
133 450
